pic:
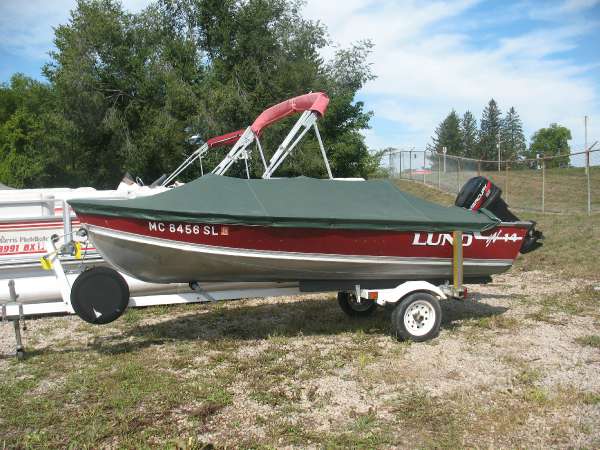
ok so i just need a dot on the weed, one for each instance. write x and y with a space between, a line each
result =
591 341
536 395
527 377
496 322
132 316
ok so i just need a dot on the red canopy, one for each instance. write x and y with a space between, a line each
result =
225 139
315 101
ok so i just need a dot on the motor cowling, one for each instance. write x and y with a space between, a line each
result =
480 192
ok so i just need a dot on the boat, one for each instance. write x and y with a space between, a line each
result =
218 228
302 229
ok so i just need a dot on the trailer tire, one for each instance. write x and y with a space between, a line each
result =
417 317
100 295
351 307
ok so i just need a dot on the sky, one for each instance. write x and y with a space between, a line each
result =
542 57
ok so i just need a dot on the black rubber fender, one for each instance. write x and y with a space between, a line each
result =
100 295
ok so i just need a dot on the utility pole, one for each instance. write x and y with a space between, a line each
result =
587 152
498 145
444 149
400 164
587 171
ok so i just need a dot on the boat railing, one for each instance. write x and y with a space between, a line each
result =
41 206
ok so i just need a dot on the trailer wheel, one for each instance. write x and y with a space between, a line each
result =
100 295
417 317
350 306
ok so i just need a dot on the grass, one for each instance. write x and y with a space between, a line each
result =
196 380
570 247
589 341
553 308
497 322
565 190
130 397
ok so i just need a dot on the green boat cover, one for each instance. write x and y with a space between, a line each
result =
293 202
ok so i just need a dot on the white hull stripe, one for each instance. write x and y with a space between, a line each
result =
226 251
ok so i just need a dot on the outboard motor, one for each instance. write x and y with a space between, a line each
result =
479 192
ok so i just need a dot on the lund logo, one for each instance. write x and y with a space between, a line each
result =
441 239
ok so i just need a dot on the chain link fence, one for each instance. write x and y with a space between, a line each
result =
556 184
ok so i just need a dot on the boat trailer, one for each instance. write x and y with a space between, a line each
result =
96 298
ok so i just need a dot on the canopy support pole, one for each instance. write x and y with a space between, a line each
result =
246 164
260 150
184 165
323 150
306 120
236 152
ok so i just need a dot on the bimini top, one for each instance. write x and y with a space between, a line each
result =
225 139
293 202
314 101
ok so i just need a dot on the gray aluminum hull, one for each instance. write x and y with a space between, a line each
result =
166 261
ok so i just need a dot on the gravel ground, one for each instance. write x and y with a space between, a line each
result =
500 374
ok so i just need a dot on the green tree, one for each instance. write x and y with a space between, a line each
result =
512 139
489 132
551 141
135 86
126 85
468 129
448 134
34 138
262 52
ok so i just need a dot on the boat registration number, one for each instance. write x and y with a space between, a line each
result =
179 228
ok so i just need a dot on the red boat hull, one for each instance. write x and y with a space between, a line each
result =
182 252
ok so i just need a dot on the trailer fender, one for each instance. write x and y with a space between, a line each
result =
394 295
